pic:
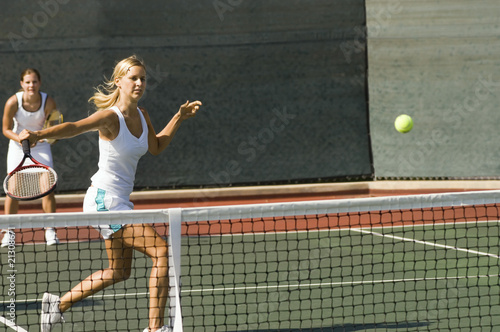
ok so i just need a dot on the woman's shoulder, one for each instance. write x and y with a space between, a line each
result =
49 102
107 113
12 101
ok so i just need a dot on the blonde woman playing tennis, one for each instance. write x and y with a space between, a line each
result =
125 134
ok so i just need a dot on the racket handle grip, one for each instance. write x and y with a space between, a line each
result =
26 146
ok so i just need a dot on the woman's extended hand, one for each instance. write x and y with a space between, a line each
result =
189 109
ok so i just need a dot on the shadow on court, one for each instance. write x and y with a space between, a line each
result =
36 305
357 327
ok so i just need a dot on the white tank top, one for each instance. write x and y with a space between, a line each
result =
118 158
32 121
28 120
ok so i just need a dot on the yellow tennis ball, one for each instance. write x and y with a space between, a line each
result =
403 123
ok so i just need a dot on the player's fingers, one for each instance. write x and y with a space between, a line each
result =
23 135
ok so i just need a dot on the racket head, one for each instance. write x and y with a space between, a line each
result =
30 182
54 118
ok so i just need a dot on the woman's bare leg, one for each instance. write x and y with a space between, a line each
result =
120 262
49 203
145 239
11 205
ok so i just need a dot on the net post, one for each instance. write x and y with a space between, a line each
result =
174 264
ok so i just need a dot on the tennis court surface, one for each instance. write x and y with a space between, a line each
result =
403 263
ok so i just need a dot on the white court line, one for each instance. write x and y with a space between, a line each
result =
339 283
11 325
288 286
426 243
96 296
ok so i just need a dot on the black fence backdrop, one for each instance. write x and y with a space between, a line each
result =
283 84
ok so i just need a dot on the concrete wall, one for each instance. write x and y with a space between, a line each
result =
438 62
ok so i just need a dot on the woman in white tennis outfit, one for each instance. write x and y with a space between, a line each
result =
28 109
125 134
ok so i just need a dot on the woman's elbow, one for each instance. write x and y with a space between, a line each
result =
155 147
154 152
5 132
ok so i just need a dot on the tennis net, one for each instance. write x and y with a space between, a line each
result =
405 263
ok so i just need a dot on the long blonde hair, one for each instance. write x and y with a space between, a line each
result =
107 94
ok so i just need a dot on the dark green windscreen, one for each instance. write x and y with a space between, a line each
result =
283 84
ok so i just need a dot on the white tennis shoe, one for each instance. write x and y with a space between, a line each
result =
51 314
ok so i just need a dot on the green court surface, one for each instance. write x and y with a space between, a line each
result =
435 277
56 269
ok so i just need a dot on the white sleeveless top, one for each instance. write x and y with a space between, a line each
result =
32 121
118 158
29 120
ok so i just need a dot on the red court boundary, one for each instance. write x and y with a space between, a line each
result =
272 194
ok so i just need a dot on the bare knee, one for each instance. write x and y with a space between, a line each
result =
162 252
158 252
160 259
118 275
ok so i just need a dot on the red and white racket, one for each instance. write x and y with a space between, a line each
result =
31 181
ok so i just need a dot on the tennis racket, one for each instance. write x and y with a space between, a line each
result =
28 182
54 118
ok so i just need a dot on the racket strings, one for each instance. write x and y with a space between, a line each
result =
30 182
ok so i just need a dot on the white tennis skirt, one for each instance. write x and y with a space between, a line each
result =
99 200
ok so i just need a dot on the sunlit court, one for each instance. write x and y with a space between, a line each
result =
235 165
